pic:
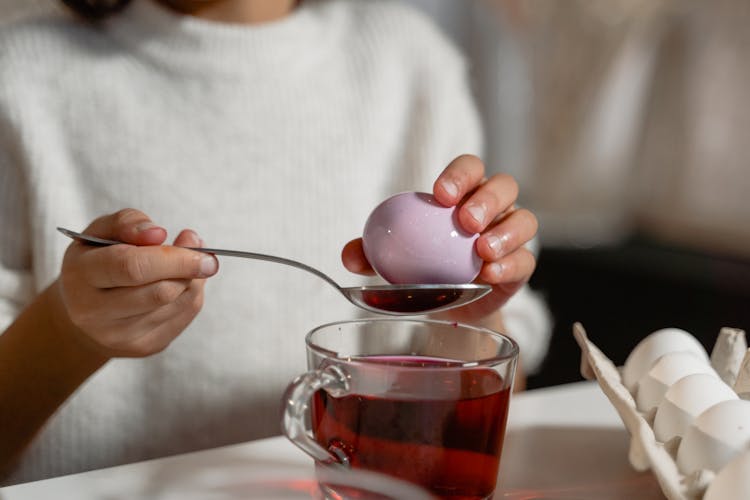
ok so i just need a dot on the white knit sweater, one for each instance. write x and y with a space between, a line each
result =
277 138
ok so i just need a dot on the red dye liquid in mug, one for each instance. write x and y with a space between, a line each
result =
448 442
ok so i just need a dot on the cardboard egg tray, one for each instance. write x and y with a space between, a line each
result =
731 360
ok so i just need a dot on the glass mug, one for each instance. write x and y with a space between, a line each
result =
422 400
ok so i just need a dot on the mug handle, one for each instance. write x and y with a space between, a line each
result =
296 403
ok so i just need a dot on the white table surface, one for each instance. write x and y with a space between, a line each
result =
563 442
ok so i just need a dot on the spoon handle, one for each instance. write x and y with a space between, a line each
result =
267 258
93 240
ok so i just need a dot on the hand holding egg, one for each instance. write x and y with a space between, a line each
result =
481 234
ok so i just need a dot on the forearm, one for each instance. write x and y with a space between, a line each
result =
42 362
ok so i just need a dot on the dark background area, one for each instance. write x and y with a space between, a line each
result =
622 293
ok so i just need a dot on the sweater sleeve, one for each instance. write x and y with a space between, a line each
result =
15 254
527 320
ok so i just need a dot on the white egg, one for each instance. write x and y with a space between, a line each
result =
653 347
715 437
732 482
686 399
667 370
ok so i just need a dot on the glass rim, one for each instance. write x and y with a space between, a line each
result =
494 360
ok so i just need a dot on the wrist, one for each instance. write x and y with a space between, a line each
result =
62 329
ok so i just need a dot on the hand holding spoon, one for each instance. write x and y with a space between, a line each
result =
396 300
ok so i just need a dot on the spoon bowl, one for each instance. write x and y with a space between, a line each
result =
395 300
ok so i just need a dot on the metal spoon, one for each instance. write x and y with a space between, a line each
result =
396 300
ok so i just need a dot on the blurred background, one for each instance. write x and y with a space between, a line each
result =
627 124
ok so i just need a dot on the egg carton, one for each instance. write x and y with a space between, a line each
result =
730 358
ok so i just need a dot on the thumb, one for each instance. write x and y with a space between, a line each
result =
129 226
353 258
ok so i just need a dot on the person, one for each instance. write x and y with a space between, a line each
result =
268 125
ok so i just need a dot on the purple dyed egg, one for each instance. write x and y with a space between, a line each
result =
411 238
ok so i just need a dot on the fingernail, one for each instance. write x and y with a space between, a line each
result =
477 212
449 187
209 265
495 269
145 226
496 243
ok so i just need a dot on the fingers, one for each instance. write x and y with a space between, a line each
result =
134 300
162 295
128 302
510 233
152 332
488 206
127 265
461 176
482 200
490 200
188 238
132 267
353 257
128 225
515 268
